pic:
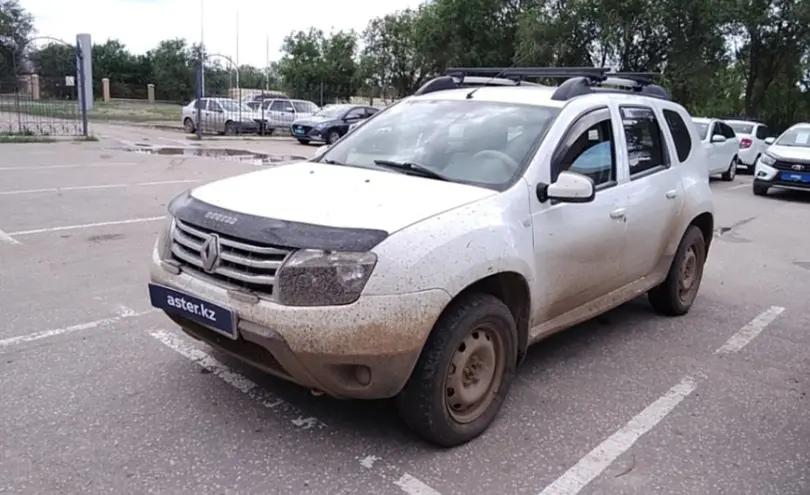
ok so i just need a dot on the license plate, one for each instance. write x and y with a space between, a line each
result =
299 131
213 316
795 177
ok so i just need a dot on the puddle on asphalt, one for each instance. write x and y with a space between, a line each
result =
227 154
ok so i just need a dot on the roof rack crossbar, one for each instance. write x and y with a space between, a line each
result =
521 72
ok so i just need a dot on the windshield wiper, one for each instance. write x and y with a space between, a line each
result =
412 167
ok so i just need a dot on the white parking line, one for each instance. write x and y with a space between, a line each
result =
598 459
103 186
7 239
750 331
122 313
739 186
84 226
407 483
82 165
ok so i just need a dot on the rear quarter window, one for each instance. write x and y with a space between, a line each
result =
680 134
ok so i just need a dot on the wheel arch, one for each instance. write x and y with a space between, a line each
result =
704 222
513 290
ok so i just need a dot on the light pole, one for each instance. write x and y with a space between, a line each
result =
202 50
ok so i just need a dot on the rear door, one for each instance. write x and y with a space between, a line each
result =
656 193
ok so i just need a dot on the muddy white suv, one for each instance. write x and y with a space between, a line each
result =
420 256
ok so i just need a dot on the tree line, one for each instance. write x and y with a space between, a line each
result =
718 57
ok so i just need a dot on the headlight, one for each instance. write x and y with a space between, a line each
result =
321 125
321 278
164 240
766 160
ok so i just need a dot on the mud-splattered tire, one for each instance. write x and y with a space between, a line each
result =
188 126
473 347
675 295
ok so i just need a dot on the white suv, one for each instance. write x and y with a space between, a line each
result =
422 254
786 163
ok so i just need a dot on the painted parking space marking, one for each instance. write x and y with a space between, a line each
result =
406 483
7 239
750 331
84 226
76 165
95 187
121 313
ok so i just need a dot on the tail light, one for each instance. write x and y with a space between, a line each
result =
745 143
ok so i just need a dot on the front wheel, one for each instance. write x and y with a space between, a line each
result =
188 126
675 295
332 137
464 372
303 141
230 128
729 174
760 190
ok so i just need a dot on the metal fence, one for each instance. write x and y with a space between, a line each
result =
41 104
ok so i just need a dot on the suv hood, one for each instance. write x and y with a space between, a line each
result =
338 196
789 153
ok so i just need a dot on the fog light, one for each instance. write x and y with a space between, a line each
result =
761 174
362 374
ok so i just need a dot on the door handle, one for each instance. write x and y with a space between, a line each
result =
671 194
617 213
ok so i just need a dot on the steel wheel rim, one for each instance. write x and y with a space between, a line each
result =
474 374
189 126
333 136
733 170
689 274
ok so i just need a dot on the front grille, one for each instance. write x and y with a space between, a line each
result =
242 265
783 165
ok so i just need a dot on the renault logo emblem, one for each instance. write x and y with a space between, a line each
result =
209 253
797 167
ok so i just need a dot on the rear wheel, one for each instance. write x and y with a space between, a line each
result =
464 372
675 295
760 190
729 174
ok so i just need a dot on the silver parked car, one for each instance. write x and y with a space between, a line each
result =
282 112
220 115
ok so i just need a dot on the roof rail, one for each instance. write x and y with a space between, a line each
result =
579 80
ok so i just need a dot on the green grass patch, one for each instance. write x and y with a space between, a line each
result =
24 137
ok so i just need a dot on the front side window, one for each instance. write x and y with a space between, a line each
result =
589 149
468 141
798 137
645 144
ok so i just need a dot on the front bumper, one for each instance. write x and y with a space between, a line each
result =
329 348
313 134
768 176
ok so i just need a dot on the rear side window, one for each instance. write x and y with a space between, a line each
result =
680 134
762 132
645 144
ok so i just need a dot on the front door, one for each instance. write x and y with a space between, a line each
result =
579 247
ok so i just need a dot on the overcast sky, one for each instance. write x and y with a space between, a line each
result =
141 24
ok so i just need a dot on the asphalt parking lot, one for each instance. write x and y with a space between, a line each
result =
103 395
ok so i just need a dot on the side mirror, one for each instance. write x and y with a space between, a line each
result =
570 187
770 140
718 139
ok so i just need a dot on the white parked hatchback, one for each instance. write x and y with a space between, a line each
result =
721 145
420 256
752 136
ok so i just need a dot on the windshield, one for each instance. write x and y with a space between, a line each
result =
305 107
741 128
799 137
703 129
332 111
468 141
233 106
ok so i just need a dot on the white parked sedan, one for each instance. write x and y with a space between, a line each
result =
721 145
